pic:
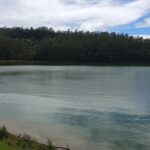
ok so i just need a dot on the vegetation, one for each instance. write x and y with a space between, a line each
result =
24 142
44 44
3 132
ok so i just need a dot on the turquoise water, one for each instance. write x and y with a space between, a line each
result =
87 107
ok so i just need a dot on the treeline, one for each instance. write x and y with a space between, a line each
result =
45 44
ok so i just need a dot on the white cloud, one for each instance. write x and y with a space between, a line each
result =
63 14
145 23
144 36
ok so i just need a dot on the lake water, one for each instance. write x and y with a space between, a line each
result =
86 107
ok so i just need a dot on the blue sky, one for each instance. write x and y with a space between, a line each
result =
138 27
123 16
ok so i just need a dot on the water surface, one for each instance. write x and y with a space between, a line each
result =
89 108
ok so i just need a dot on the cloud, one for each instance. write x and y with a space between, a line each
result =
63 14
144 36
144 24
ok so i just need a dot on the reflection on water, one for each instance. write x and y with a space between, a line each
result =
86 107
118 129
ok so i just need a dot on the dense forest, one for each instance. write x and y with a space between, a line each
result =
45 44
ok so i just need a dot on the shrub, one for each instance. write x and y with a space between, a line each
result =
3 132
50 145
26 141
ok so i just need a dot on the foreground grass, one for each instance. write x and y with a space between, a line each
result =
9 141
5 146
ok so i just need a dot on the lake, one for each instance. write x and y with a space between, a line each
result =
86 107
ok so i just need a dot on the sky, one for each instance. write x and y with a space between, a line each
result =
121 16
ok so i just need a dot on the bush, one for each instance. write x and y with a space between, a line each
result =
50 145
25 141
3 132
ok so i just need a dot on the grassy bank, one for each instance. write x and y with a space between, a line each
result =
9 141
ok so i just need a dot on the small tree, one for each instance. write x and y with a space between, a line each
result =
3 132
50 145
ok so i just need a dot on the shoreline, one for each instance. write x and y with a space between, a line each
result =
69 63
22 141
25 141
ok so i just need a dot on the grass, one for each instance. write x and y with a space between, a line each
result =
9 141
5 146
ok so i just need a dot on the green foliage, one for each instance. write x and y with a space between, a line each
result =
3 132
47 45
50 145
21 142
24 141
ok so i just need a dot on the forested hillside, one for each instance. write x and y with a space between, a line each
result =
44 44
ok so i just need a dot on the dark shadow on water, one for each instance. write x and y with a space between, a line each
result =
119 131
